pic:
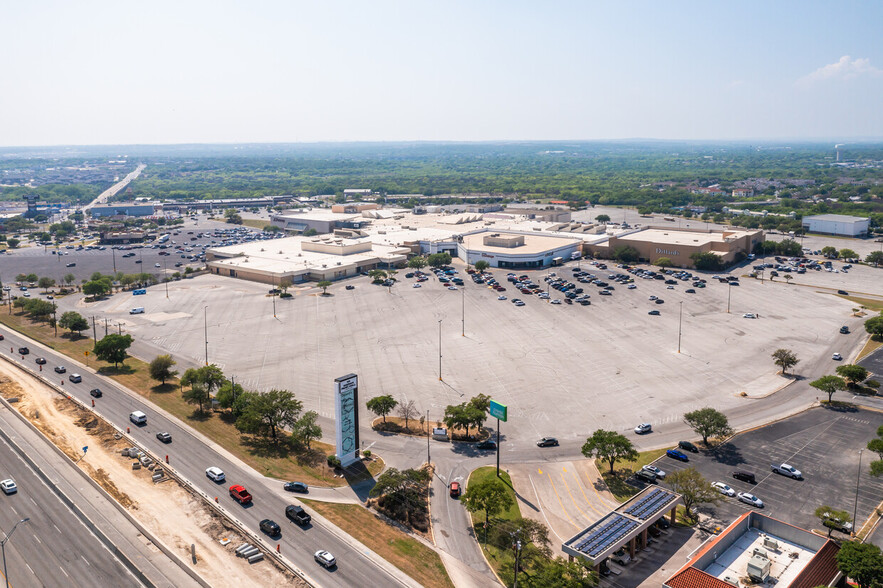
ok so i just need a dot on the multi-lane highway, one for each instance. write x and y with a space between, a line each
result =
190 454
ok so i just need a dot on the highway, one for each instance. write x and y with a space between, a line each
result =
190 454
114 190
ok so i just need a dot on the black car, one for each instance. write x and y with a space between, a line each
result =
688 446
659 301
60 369
844 330
350 287
271 528
23 350
745 476
164 437
487 444
296 487
297 514
41 361
95 392
843 292
547 442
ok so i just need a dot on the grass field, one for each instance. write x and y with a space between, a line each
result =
496 557
256 223
281 459
623 470
406 553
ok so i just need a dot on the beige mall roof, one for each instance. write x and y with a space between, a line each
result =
533 244
686 238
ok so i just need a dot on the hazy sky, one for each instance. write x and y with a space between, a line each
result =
284 71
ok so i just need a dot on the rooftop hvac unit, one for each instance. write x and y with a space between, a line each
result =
770 543
758 568
731 580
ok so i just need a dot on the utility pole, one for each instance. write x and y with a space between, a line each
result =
428 461
165 277
120 327
114 252
105 326
680 320
439 351
729 289
94 330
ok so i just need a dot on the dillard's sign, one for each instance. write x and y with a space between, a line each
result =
667 252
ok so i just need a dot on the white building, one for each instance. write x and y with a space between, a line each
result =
837 224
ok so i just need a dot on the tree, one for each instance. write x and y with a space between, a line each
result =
377 276
96 288
609 446
875 257
603 218
877 468
439 259
402 494
407 410
46 283
490 496
463 416
311 232
832 519
848 254
706 260
708 422
271 229
324 284
829 385
481 265
829 251
626 254
853 374
74 322
788 278
13 243
382 405
32 278
39 309
112 348
161 368
284 285
417 262
863 562
267 413
694 489
874 326
197 394
306 430
69 279
785 358
663 262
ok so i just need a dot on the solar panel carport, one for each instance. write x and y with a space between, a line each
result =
627 525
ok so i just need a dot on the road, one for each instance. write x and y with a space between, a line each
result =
190 454
114 190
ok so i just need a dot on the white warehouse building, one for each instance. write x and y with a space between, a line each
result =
837 224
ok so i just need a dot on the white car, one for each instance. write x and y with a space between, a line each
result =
836 357
643 428
519 303
652 468
671 288
749 315
9 486
556 301
215 474
452 287
416 286
653 298
751 499
156 265
501 297
724 489
632 286
325 559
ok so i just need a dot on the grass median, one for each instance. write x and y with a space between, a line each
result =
496 556
282 459
623 470
406 553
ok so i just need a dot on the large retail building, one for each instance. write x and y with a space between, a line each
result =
679 244
837 224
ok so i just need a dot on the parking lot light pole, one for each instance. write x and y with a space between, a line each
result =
205 316
680 320
3 547
857 480
439 350
729 289
463 289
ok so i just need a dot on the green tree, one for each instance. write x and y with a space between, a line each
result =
227 395
877 468
829 385
402 495
626 254
439 259
874 326
197 394
707 261
324 284
112 348
785 359
377 276
875 257
311 233
848 254
694 489
829 251
96 288
69 279
481 265
490 496
46 283
271 229
305 430
876 445
853 374
161 368
74 322
382 405
32 278
267 413
663 262
832 519
13 243
417 262
39 309
708 422
602 218
609 446
863 562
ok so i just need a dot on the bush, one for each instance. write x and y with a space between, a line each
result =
872 384
286 295
367 453
333 461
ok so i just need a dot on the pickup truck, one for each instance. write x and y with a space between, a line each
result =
787 470
240 494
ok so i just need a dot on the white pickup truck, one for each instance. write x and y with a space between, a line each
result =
787 470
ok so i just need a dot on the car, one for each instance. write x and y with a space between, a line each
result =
60 369
215 474
9 486
749 315
556 301
787 470
519 303
654 312
164 437
75 378
416 286
646 476
452 287
501 297
749 498
325 559
689 291
72 264
643 428
487 444
670 287
95 393
631 286
240 494
350 287
297 514
156 265
455 489
724 489
843 292
547 442
674 453
621 556
659 301
844 330
836 357
653 298
23 350
688 446
296 487
745 476
652 468
270 527
41 361
831 521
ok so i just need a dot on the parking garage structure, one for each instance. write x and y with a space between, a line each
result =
627 525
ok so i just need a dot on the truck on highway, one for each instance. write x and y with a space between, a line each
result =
787 470
240 494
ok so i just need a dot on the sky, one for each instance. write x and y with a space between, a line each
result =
159 72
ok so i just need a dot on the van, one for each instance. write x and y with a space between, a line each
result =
439 434
138 417
139 291
138 310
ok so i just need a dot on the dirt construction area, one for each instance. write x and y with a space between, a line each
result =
169 511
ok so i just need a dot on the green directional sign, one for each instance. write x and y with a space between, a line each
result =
499 411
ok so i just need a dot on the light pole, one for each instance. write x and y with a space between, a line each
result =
165 276
205 318
857 480
3 547
463 298
113 251
439 350
729 289
680 320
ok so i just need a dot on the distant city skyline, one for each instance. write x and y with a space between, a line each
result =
287 72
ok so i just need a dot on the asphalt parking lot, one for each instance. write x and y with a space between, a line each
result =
822 443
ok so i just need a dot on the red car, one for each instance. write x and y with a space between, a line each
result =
455 489
240 494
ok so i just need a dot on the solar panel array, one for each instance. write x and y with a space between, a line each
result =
606 535
650 504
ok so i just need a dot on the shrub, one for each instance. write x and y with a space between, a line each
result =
872 384
333 461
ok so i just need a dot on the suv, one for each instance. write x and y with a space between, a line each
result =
271 528
164 437
75 378
325 559
646 476
297 514
745 476
844 330
688 446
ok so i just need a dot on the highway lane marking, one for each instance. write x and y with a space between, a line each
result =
62 571
86 560
555 490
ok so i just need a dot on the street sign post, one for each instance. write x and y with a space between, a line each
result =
499 412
